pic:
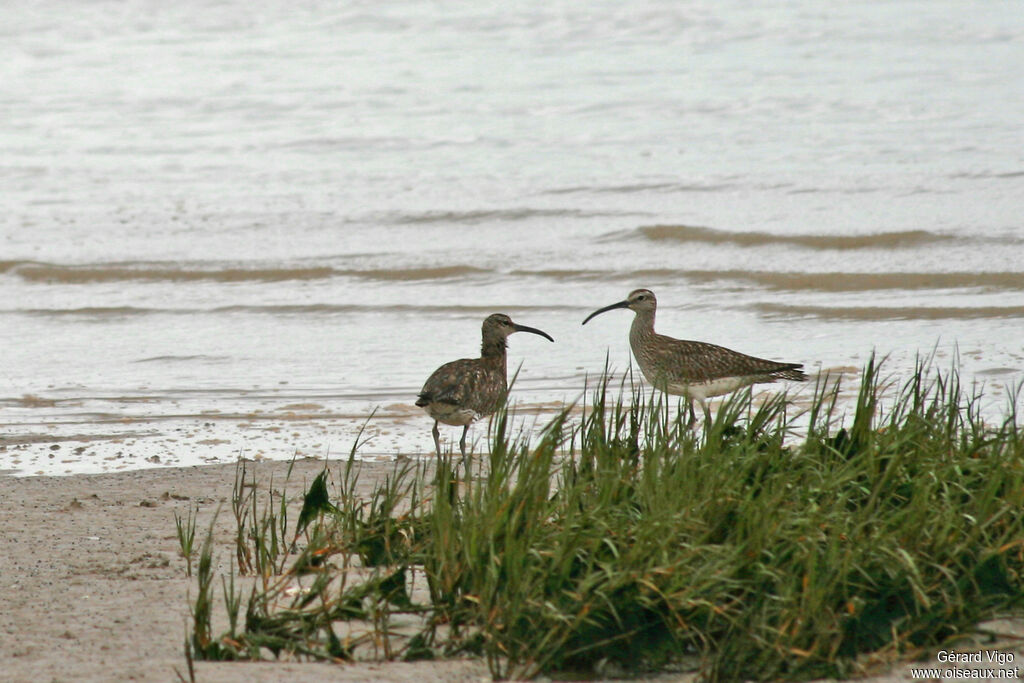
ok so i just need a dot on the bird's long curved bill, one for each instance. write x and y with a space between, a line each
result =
532 330
621 304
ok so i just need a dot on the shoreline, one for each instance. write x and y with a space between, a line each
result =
95 588
52 448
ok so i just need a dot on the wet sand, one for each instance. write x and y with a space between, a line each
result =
94 588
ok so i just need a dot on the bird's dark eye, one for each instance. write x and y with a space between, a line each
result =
641 297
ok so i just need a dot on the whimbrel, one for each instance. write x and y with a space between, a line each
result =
693 369
463 391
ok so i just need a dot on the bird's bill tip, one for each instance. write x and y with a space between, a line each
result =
533 330
620 304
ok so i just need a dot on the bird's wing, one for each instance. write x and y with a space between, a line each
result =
697 362
465 383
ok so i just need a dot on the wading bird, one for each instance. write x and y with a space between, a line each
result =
463 391
692 369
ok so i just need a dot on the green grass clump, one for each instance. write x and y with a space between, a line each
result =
186 530
628 538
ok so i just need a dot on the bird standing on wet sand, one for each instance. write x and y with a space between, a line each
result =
693 369
463 391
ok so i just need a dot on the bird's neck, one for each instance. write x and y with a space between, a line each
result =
642 327
493 349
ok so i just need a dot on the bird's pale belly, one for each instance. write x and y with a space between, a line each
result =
449 414
704 390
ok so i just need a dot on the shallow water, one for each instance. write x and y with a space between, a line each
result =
229 230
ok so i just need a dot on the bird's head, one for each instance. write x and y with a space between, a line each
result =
500 326
639 300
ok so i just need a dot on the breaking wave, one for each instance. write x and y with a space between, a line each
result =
881 240
867 313
795 281
862 282
32 271
285 310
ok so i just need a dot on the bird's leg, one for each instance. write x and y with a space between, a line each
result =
437 440
693 415
462 446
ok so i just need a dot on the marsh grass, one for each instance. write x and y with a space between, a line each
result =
627 538
186 530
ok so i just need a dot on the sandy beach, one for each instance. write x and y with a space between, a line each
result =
95 589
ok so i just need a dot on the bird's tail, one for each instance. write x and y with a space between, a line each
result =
791 372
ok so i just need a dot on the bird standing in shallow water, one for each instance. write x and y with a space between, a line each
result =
463 391
693 369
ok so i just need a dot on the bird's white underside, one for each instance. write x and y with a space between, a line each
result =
449 414
704 390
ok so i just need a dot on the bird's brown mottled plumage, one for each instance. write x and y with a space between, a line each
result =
468 386
694 369
463 391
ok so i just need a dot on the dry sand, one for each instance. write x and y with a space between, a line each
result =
93 587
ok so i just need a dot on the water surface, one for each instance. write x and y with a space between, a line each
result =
234 229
